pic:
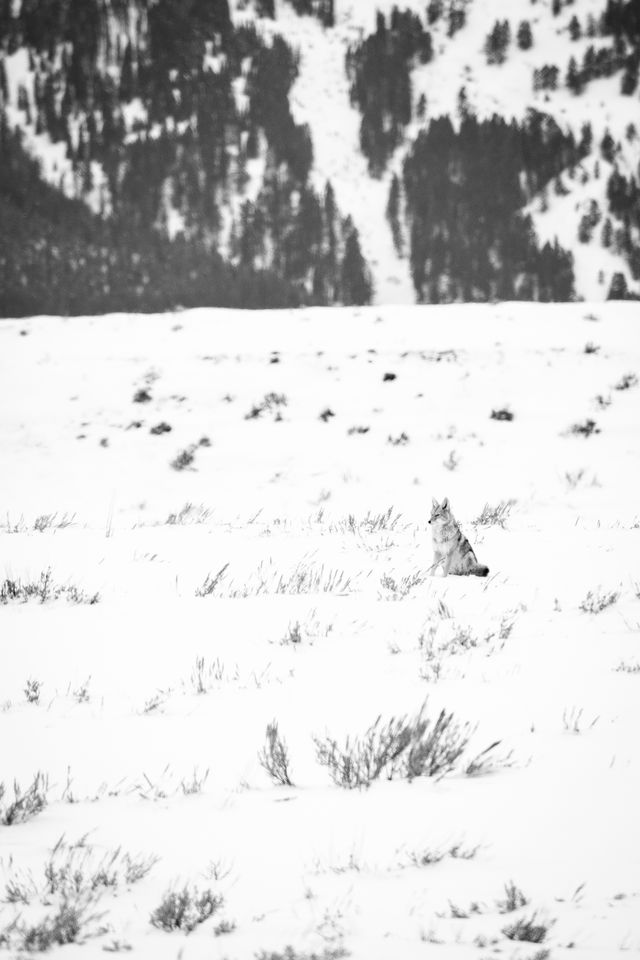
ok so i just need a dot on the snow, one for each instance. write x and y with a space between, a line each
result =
315 865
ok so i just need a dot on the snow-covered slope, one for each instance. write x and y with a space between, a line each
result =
147 708
320 97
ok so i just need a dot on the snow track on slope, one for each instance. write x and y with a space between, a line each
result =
335 129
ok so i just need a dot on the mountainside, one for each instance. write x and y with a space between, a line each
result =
285 152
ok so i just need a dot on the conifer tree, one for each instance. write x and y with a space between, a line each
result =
524 36
355 281
618 289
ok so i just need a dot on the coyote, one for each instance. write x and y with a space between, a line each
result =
450 546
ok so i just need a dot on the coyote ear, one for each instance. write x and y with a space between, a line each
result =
445 503
434 503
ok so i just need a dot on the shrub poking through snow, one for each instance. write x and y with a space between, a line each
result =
494 516
293 634
270 403
626 382
44 589
32 690
403 748
142 396
68 923
528 930
399 589
303 578
625 667
274 756
74 880
189 513
210 583
400 441
503 413
184 459
48 521
185 909
25 804
329 953
431 855
514 899
160 428
584 429
591 347
487 761
597 601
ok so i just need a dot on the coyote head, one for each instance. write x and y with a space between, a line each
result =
440 512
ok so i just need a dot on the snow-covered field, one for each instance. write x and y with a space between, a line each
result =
144 712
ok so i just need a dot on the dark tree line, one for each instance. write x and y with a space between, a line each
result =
621 21
322 9
188 155
379 72
464 192
56 256
624 204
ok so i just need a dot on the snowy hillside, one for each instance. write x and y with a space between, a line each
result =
195 125
213 522
320 98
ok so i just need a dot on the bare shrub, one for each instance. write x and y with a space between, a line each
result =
74 879
584 429
405 748
160 428
270 403
184 459
514 899
487 761
399 589
494 516
274 756
196 784
185 909
528 930
572 720
43 590
359 429
32 690
624 667
69 923
401 440
189 513
303 578
428 856
626 382
293 634
26 804
329 953
597 601
211 583
48 521
503 413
